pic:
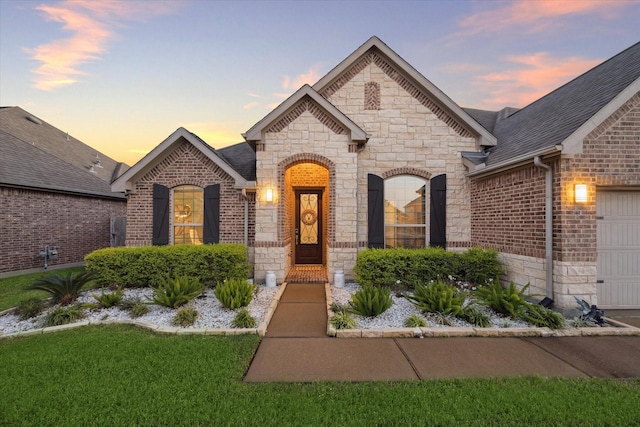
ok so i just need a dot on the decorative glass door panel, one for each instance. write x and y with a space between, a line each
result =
308 227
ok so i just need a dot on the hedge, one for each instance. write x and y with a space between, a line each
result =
384 267
153 265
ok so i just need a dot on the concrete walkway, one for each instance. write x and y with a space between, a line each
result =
296 349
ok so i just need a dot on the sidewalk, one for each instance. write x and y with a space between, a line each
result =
296 349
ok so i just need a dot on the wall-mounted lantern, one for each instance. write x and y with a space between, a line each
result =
269 195
581 193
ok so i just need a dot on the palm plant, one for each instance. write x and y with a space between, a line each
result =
63 289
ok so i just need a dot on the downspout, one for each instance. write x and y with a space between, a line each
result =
548 219
246 218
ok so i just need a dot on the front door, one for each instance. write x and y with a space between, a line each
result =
308 227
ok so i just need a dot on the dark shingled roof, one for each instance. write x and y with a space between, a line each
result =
551 119
34 154
242 158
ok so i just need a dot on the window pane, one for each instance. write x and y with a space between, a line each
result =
404 200
187 235
404 237
188 214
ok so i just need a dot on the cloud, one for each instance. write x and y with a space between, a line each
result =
250 105
528 78
92 25
535 16
310 77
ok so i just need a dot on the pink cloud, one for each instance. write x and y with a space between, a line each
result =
535 16
91 24
530 78
310 77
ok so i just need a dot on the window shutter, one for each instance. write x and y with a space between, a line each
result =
160 227
211 232
438 212
376 211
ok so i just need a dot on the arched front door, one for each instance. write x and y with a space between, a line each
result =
308 226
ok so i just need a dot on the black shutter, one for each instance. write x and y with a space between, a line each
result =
160 215
211 214
438 212
376 211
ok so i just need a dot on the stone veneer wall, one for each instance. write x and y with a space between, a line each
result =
29 220
186 165
409 134
305 136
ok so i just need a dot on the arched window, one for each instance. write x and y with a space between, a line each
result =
405 212
188 215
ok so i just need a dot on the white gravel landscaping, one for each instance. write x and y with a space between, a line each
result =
402 308
212 315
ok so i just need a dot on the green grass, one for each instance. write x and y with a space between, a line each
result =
120 375
12 289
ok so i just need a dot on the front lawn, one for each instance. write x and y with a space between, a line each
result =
12 289
120 375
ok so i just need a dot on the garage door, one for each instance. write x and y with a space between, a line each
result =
618 219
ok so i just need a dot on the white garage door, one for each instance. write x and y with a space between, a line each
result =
618 218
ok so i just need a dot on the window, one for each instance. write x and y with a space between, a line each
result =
188 215
405 212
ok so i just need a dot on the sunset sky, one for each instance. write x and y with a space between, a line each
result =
122 75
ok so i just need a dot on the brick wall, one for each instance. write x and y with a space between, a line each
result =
508 211
29 220
186 165
610 158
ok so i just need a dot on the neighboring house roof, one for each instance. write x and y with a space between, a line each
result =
29 128
127 180
36 155
255 133
424 85
567 114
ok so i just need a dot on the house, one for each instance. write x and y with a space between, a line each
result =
375 155
55 194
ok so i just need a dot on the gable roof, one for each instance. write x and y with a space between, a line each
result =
36 155
126 180
255 133
566 115
440 99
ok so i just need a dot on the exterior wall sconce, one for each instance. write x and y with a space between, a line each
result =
269 195
581 193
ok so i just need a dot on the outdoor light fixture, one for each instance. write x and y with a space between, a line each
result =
581 193
269 195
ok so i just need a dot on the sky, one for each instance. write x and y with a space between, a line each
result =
121 76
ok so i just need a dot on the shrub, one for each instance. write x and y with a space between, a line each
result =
110 299
62 315
505 300
153 265
371 301
63 289
480 266
475 317
135 307
235 293
339 308
384 267
243 319
415 321
30 308
177 292
543 316
185 316
343 320
438 297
